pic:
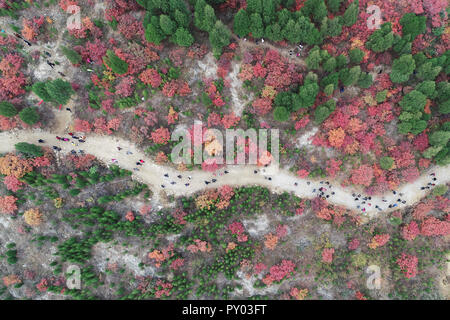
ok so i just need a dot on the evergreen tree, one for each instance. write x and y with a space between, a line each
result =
29 149
413 101
274 32
382 39
241 25
283 17
413 24
256 25
351 14
308 93
334 5
386 163
349 77
402 68
324 110
341 61
219 37
320 10
402 45
280 114
167 25
356 55
183 38
7 109
330 65
73 56
59 90
39 89
153 32
29 115
268 14
116 64
199 14
328 90
182 19
331 27
428 88
365 80
426 71
292 31
314 59
209 18
254 6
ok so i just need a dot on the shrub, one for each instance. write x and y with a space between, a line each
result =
440 190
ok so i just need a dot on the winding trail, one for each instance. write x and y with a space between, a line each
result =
277 180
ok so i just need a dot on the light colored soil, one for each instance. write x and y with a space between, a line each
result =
246 45
237 102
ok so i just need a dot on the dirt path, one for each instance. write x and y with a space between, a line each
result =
105 149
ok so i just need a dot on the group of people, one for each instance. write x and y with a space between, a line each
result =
51 64
75 142
324 190
140 162
180 177
292 51
430 184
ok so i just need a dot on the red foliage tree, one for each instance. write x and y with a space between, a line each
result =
327 255
237 228
230 120
432 226
82 125
125 87
410 231
161 135
8 204
421 142
408 264
363 175
82 162
302 123
410 174
279 272
130 27
353 244
262 106
151 77
12 183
